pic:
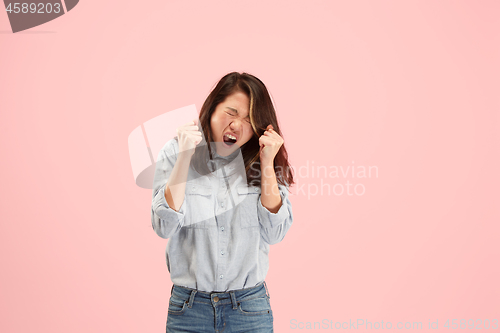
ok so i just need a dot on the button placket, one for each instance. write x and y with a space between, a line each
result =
223 243
223 205
221 195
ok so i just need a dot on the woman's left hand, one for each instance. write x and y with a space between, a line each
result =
270 143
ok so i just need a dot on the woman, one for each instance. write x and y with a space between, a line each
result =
220 195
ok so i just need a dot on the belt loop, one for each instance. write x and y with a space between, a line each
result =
191 298
233 300
267 291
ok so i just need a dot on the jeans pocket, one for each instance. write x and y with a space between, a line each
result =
255 306
176 305
248 197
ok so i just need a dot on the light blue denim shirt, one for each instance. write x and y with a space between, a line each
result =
219 239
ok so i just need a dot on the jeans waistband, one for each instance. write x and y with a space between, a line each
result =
232 296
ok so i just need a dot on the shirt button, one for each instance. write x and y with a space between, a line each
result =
221 276
222 252
256 189
222 204
194 187
221 228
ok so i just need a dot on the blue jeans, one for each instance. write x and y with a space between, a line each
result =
242 310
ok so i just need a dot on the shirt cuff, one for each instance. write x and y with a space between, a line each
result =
274 219
163 210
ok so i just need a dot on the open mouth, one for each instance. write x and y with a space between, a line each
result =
229 139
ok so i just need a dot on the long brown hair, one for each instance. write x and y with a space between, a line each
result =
261 113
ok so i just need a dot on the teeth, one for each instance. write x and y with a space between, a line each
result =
230 136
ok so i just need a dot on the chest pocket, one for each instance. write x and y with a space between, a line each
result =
247 208
200 210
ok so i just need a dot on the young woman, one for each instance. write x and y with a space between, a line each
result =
220 195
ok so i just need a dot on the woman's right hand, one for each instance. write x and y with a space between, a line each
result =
189 137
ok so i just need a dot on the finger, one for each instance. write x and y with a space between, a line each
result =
271 130
262 145
189 128
276 138
187 133
272 134
192 122
264 140
194 138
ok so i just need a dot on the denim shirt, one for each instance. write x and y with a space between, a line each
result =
219 239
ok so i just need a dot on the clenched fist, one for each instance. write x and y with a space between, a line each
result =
270 142
189 137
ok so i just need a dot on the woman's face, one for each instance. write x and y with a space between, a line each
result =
230 123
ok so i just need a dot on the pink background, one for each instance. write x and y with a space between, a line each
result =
411 87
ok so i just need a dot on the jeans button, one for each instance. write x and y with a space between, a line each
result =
216 299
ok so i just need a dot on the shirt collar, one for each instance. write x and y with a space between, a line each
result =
228 158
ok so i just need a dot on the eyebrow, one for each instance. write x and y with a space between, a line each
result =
233 109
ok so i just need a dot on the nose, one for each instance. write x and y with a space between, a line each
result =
235 124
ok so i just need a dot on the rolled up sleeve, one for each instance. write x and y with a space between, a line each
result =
165 220
274 226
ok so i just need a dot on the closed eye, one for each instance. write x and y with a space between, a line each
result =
247 119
